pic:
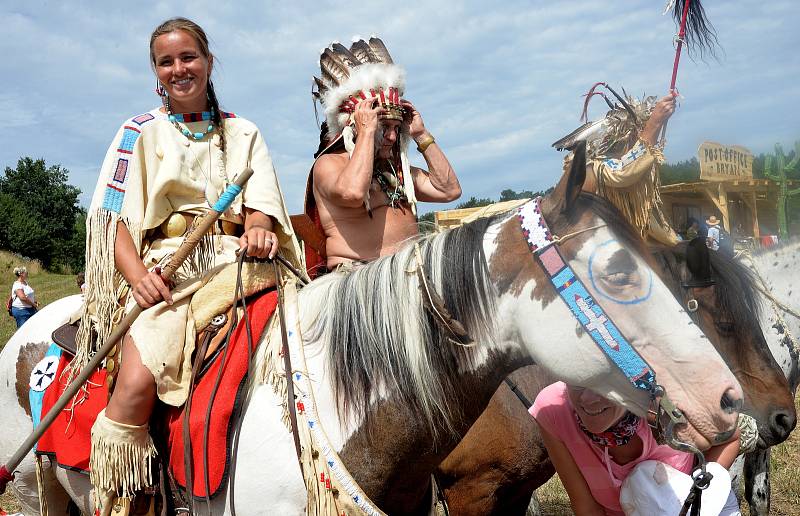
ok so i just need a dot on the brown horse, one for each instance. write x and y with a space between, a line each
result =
502 460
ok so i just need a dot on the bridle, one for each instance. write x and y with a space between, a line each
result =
663 415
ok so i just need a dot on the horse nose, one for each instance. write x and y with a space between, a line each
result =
732 401
781 423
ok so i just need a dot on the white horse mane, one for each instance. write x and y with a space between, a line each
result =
380 338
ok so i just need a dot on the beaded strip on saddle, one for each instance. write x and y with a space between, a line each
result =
331 489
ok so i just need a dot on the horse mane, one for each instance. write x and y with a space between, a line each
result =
735 292
382 340
625 233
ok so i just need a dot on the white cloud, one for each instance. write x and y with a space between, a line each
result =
496 86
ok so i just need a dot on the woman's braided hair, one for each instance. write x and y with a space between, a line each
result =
200 37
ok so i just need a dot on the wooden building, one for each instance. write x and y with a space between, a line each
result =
726 189
746 206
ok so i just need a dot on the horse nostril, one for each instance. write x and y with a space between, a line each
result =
783 423
730 403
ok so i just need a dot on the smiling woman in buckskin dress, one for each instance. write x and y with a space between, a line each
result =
164 168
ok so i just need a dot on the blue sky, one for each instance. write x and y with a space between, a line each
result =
496 82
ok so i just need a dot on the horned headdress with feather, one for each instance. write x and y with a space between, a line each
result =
351 76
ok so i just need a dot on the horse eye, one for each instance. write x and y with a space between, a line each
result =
725 328
617 279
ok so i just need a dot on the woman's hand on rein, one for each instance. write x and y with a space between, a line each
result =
259 242
151 288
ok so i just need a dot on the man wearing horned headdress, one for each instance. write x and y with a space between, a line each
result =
362 191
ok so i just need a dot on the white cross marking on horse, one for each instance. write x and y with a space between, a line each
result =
596 322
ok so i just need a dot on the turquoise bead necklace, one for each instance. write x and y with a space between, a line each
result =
206 115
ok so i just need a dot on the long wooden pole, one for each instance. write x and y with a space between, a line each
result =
188 245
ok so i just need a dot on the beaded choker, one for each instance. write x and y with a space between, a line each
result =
618 435
192 117
189 117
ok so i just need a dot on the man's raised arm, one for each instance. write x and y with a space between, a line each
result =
346 182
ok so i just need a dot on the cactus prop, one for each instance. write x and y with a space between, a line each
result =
777 169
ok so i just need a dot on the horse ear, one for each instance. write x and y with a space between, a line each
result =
575 178
562 198
698 261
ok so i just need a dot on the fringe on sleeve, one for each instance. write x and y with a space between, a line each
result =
102 307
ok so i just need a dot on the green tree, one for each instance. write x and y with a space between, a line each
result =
38 213
474 202
512 195
680 172
72 252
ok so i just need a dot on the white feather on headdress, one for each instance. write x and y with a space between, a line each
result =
365 66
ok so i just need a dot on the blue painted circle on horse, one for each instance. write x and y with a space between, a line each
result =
626 297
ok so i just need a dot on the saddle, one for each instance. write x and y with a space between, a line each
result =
213 414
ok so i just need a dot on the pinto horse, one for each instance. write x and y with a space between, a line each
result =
502 459
776 271
394 392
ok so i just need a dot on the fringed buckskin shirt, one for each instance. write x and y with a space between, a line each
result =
151 171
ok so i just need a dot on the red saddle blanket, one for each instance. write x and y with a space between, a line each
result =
68 439
226 407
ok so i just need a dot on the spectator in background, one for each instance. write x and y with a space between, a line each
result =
712 237
80 280
24 303
692 228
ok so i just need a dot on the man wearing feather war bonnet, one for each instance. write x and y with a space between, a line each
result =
623 158
362 191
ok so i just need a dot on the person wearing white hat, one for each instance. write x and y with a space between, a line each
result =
712 237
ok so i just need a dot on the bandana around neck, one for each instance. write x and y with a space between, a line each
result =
618 435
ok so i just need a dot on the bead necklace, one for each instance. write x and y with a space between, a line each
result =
390 182
205 115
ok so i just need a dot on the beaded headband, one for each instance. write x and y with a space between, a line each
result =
351 76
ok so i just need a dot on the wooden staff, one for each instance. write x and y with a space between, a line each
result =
187 246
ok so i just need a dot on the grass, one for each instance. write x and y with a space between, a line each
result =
8 503
47 286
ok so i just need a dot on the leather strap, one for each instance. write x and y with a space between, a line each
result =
287 364
186 429
516 390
